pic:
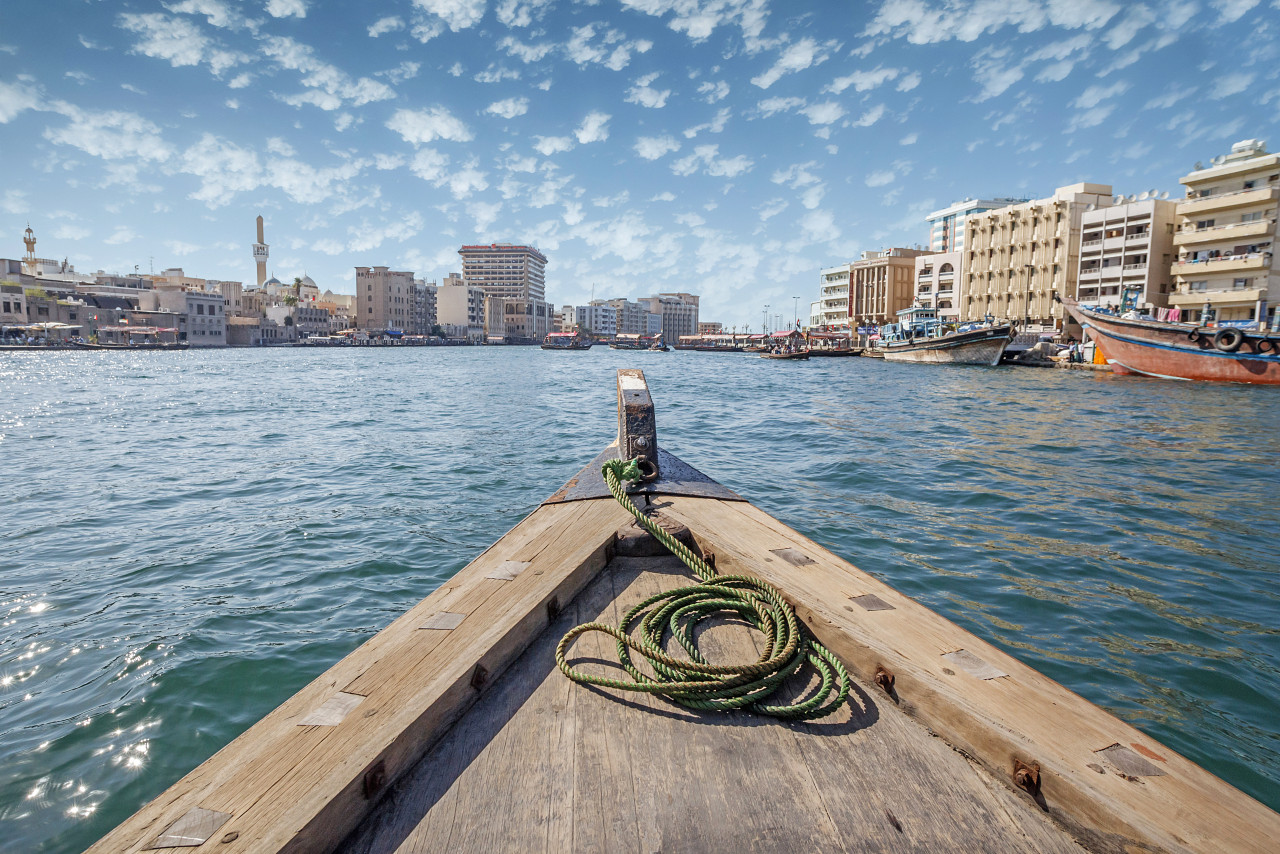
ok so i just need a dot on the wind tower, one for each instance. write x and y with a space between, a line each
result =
260 254
29 260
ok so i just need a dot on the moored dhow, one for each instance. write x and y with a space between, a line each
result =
566 341
1183 351
920 336
455 728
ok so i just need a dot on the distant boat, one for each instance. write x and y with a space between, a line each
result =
1182 351
796 355
565 341
919 336
633 341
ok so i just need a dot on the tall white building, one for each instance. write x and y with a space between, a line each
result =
679 312
833 290
599 317
947 226
515 274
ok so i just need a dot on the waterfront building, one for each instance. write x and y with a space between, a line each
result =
1226 232
495 320
199 316
833 293
710 327
1017 258
815 314
566 319
679 313
881 283
308 290
13 304
947 226
598 318
422 307
515 274
254 332
174 277
232 295
115 283
938 278
384 299
303 320
261 252
635 318
1127 246
460 309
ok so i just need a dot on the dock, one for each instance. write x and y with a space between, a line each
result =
452 729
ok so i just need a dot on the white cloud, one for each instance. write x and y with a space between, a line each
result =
509 108
457 15
67 231
402 72
909 139
525 52
795 57
716 125
110 135
330 87
861 81
484 214
653 147
1168 99
593 44
909 82
880 177
594 128
496 74
15 98
382 26
429 165
1095 95
180 247
824 113
368 236
549 145
645 95
122 234
1090 117
1230 11
870 117
422 126
713 91
996 71
924 22
1230 84
771 208
819 227
1056 71
286 8
179 41
769 106
707 158
664 196
14 202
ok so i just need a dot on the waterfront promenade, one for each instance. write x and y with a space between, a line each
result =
217 527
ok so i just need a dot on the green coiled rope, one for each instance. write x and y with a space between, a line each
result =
694 682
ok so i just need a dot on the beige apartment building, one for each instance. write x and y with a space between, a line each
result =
938 277
517 275
1017 258
1226 235
1127 247
383 299
679 313
881 284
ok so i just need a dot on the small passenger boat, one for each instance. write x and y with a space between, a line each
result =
919 336
634 341
456 729
566 341
794 355
1183 351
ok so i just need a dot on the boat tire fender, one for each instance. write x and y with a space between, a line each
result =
1194 335
1228 340
1264 345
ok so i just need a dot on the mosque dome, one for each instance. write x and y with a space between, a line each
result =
271 281
309 282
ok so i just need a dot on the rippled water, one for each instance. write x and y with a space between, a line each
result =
189 538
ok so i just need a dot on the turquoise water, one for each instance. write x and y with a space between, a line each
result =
191 537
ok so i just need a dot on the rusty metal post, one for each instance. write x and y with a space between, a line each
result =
637 424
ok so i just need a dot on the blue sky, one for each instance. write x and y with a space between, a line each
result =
726 147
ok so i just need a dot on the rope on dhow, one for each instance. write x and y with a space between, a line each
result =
694 682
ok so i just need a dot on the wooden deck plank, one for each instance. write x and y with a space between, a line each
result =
1024 715
676 780
287 784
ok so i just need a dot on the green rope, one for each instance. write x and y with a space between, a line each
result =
694 682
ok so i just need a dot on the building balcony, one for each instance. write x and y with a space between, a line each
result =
925 274
1227 264
1097 241
1192 236
1130 267
1195 299
1226 201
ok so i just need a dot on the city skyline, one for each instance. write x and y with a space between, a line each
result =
728 147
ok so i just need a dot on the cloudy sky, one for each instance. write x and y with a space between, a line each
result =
727 147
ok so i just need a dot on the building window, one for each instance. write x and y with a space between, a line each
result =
1251 217
1239 284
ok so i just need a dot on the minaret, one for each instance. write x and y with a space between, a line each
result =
29 260
259 255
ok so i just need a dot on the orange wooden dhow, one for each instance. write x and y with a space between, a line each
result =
453 730
1183 351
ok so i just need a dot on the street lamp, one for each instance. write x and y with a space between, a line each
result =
796 310
764 326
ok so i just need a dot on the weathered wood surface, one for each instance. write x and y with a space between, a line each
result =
542 764
1023 715
286 786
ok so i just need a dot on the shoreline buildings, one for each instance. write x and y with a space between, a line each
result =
515 274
